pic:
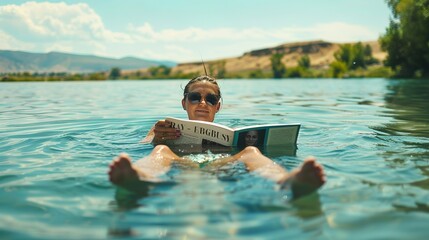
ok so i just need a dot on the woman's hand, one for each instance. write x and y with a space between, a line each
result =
163 131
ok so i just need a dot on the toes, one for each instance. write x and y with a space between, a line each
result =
118 167
310 159
123 162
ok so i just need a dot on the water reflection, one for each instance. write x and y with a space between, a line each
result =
409 100
370 135
407 141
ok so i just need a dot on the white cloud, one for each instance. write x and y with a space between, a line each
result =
193 34
343 32
44 21
336 32
46 26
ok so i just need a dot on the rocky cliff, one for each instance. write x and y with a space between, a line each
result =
321 54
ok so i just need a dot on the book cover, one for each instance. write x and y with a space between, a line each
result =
198 132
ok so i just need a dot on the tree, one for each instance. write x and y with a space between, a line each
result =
221 70
345 54
164 71
304 62
406 40
217 69
277 66
115 73
358 56
369 59
256 74
355 56
338 68
296 72
161 71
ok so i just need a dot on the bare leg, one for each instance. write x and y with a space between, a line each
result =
254 161
127 175
304 180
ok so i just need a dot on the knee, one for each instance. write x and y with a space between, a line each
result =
251 150
161 149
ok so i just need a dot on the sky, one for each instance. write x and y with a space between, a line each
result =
184 30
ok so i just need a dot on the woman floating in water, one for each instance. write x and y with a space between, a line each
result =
201 100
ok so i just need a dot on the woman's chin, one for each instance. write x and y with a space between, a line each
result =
202 117
206 119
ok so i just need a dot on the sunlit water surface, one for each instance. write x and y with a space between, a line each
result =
371 135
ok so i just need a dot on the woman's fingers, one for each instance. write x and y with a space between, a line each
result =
164 131
167 134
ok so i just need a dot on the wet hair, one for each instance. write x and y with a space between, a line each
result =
201 79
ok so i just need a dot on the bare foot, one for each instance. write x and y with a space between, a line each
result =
306 179
123 174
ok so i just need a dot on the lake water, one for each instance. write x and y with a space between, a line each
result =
371 136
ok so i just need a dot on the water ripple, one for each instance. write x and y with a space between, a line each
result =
371 136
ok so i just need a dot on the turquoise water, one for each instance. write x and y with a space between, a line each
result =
371 135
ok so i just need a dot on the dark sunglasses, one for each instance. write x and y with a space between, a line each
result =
195 98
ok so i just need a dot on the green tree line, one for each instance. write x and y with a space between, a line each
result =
407 38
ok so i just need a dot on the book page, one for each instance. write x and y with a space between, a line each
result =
282 136
185 139
197 131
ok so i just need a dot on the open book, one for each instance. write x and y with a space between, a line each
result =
199 132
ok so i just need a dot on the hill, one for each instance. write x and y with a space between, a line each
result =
321 54
18 61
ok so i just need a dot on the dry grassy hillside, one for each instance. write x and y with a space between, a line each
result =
321 54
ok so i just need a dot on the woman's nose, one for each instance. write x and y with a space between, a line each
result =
203 100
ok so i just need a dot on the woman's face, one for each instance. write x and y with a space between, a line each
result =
201 110
251 138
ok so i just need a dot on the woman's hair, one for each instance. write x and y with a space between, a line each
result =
200 79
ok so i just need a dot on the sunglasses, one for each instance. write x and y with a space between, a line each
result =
195 98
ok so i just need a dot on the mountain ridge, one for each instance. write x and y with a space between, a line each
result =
21 61
321 54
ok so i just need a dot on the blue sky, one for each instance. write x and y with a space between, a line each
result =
184 30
